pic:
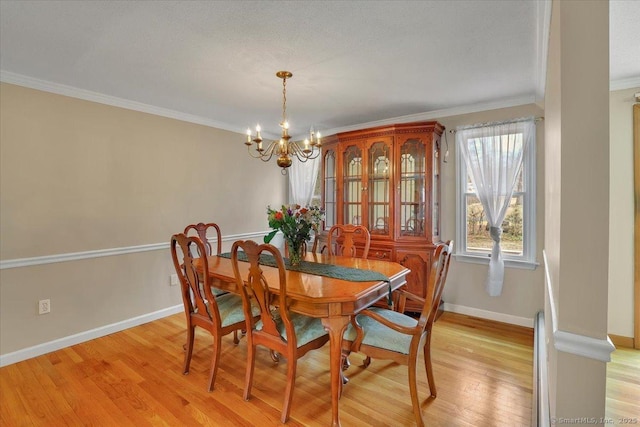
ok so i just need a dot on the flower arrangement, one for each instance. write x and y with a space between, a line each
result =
296 223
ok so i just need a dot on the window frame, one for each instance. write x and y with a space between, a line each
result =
528 258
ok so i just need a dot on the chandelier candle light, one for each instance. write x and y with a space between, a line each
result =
284 148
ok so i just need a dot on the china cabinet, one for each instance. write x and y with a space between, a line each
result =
387 178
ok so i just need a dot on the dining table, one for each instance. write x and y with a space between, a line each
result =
317 294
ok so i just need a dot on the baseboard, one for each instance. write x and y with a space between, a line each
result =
48 347
621 341
489 315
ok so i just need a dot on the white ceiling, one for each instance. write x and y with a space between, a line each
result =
354 62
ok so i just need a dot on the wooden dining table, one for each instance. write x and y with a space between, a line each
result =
332 300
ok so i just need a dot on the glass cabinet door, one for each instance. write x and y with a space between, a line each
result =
352 181
378 188
412 197
330 190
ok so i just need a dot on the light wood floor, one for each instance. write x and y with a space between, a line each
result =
483 372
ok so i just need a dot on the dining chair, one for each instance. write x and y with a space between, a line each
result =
290 334
219 315
201 229
387 334
320 243
342 239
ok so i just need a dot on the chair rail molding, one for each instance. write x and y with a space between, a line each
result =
569 342
74 256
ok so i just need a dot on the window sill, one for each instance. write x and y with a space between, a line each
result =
510 263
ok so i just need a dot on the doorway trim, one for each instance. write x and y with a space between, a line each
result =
636 186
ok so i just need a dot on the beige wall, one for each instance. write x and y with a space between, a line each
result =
80 176
523 291
576 201
621 212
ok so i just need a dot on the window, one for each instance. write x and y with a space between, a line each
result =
474 242
316 198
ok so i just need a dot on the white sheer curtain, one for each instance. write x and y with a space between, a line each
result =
493 154
302 180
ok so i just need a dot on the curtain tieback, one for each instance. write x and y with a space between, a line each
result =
495 233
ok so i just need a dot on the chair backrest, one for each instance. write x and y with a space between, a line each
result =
342 240
197 295
201 229
437 279
254 287
320 243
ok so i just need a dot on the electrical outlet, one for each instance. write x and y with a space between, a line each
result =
44 306
173 280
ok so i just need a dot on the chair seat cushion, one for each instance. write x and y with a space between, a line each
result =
378 335
306 328
230 308
217 292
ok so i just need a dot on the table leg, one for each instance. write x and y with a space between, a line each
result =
335 326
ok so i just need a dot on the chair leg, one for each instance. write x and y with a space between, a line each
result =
413 389
236 340
429 368
345 366
366 362
188 349
251 359
345 359
217 341
288 394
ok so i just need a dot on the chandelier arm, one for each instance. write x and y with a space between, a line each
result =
314 156
266 159
268 152
255 153
295 149
299 152
259 156
305 157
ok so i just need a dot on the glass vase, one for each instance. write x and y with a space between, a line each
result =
295 251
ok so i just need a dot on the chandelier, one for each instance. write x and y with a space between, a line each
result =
284 148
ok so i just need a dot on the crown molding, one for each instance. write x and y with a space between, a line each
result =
621 84
87 95
543 25
439 114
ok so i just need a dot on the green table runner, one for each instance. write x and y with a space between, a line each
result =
320 269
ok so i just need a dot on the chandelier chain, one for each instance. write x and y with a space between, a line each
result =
284 100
